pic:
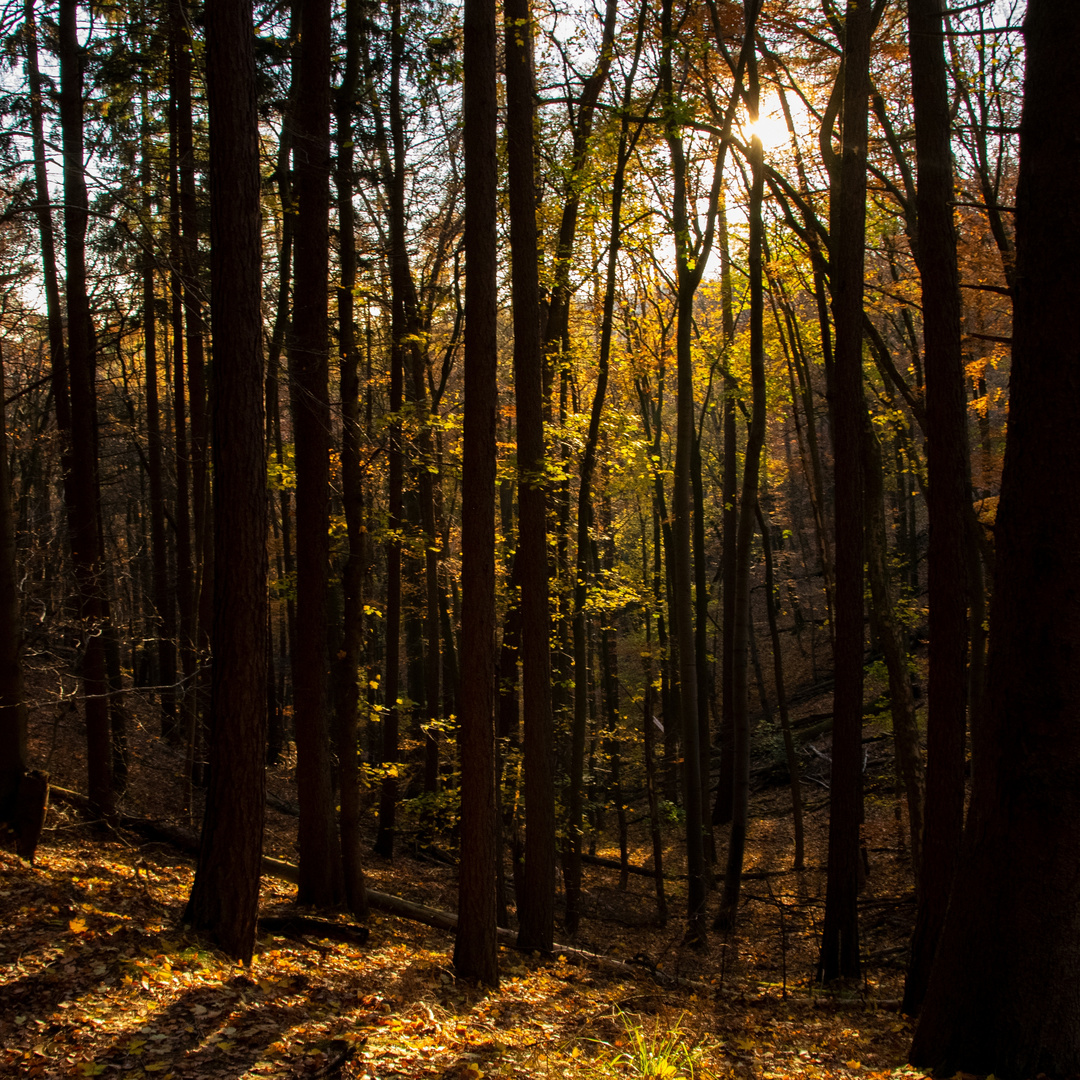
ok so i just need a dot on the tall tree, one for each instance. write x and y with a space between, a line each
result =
19 810
476 948
748 503
847 221
352 495
994 1001
536 909
321 880
83 494
225 894
948 498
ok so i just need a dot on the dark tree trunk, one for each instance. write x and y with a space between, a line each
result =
14 757
649 741
996 1001
744 535
225 894
83 493
536 906
948 498
321 881
682 570
840 934
164 621
791 757
47 232
476 948
185 591
890 636
352 496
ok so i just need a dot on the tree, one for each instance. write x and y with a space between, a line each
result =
994 1002
225 894
476 948
22 793
536 910
82 493
847 219
948 500
321 880
352 495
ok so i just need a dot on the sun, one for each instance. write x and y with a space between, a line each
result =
771 128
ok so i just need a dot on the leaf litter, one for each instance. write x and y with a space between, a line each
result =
98 977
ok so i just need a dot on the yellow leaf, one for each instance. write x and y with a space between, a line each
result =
155 1066
77 926
853 1064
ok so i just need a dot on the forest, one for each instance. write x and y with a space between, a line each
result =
539 539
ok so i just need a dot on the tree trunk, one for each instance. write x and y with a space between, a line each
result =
225 894
891 638
14 757
83 494
536 907
949 498
321 880
476 948
164 621
755 441
994 1002
840 934
347 664
790 756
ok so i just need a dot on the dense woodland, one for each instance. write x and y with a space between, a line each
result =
507 421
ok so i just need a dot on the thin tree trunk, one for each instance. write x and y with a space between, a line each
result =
890 636
164 622
648 721
790 756
755 440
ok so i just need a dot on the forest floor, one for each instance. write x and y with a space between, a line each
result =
99 978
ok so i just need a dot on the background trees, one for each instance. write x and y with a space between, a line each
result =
669 389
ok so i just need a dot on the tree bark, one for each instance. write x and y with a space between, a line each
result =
83 494
948 498
748 501
476 948
839 956
994 1002
536 907
352 496
321 880
225 894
